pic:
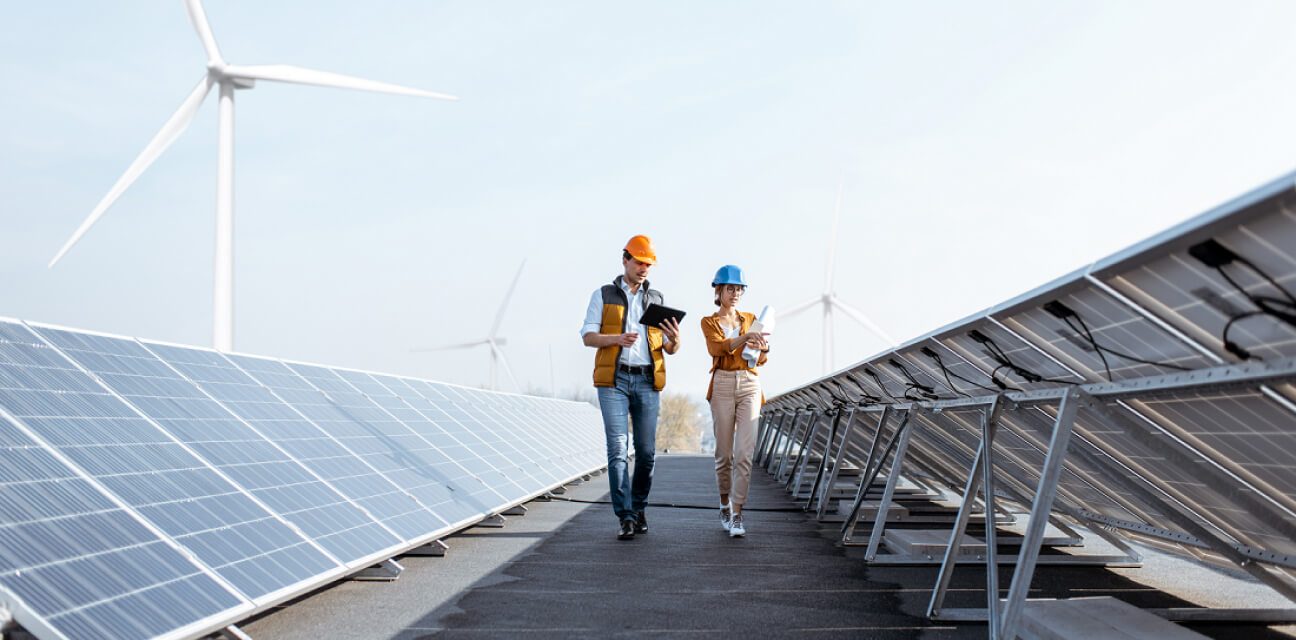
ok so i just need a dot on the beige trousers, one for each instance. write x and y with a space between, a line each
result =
735 410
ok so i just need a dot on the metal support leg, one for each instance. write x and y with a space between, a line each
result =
795 472
1039 512
762 435
492 522
436 549
232 632
870 475
970 489
879 521
786 425
516 510
385 571
785 448
794 441
826 498
842 413
988 422
771 439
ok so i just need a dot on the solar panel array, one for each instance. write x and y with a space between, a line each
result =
1177 356
153 490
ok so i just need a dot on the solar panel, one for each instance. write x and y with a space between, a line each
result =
76 563
326 450
163 468
257 439
154 490
1177 358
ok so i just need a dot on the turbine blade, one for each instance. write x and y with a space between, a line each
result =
499 317
300 75
832 240
507 369
174 126
199 19
448 347
799 308
863 319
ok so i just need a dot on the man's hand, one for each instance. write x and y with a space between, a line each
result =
670 327
627 339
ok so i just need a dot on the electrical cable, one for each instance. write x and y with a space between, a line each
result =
925 392
1066 314
876 378
1001 357
1216 256
927 351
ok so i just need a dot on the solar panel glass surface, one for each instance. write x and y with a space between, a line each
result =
168 468
329 453
80 563
259 450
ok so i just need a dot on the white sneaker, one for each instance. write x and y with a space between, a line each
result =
726 517
736 529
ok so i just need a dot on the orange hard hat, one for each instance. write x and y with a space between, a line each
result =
641 249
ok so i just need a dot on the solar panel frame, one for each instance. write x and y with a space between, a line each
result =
216 540
397 510
357 549
16 432
473 398
1167 309
548 419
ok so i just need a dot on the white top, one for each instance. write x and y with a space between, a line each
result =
634 355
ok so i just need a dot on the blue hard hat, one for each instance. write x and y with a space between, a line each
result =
729 274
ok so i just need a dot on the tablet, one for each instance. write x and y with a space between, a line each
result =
656 313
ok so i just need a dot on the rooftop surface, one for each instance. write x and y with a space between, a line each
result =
560 572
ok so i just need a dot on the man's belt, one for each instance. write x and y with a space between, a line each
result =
638 369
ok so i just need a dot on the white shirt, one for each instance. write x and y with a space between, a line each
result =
634 355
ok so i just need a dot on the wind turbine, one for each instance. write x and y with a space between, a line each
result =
830 301
493 340
227 77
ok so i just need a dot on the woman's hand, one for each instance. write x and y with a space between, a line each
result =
756 340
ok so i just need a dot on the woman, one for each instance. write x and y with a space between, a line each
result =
734 393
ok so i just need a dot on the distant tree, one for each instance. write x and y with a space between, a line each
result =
680 424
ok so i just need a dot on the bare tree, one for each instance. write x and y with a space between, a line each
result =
680 424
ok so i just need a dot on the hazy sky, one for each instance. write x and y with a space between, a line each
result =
985 148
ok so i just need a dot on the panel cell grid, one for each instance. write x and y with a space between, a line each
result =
331 454
259 457
432 401
393 447
167 484
87 568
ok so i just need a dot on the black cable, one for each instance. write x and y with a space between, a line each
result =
926 392
1233 347
945 370
1001 357
876 378
1089 335
1065 314
1215 255
672 505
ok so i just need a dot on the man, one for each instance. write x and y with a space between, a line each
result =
629 373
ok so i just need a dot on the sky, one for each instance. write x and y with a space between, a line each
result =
982 149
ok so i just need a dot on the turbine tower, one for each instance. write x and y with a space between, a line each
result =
492 340
830 301
227 78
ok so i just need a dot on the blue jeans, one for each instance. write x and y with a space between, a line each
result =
633 399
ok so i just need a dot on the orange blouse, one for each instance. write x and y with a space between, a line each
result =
723 358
